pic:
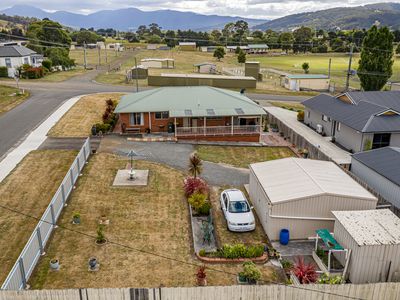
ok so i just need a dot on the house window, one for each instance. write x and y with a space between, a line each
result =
8 62
326 118
26 60
162 115
136 119
381 140
338 126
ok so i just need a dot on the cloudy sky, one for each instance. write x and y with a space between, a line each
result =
270 9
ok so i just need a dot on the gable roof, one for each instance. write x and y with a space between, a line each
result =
291 179
198 100
363 112
384 161
15 51
371 227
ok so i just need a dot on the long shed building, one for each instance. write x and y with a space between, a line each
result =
300 195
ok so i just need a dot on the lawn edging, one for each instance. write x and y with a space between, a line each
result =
217 260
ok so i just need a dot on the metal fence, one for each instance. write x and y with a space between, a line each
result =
34 248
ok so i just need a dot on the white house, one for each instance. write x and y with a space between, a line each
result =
14 57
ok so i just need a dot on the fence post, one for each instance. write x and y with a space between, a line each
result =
78 164
84 152
64 200
39 236
53 215
22 270
71 173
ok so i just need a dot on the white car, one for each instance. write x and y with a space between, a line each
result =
237 211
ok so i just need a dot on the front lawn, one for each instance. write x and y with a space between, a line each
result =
10 98
153 221
28 189
78 121
240 156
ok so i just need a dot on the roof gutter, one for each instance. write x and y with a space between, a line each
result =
301 218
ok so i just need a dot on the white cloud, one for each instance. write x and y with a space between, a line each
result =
270 9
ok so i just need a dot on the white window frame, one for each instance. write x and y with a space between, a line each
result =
133 119
26 60
8 62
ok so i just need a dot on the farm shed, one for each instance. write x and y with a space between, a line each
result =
302 82
187 46
252 69
141 72
380 169
206 68
220 81
300 195
373 236
158 63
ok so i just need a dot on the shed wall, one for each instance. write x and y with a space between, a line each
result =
193 81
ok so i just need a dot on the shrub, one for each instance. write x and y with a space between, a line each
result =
195 165
305 273
250 271
47 64
300 115
327 279
240 251
100 238
3 72
193 185
204 210
202 252
286 264
103 127
33 73
197 200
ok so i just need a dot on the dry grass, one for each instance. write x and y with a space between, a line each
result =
9 99
241 156
153 219
288 105
78 121
92 56
28 189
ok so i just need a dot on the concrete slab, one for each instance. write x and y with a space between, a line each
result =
289 118
122 178
295 248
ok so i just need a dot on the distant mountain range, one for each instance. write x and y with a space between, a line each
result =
387 14
131 18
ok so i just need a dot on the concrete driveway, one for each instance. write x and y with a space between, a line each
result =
176 155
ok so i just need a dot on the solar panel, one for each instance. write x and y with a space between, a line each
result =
188 112
239 111
210 112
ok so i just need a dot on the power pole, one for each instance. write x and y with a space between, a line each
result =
105 50
329 68
137 76
349 68
84 55
98 51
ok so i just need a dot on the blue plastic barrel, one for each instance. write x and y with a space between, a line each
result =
284 236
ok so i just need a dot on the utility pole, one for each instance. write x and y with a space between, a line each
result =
349 68
84 55
105 51
137 76
329 68
98 51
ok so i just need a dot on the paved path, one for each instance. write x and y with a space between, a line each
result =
175 155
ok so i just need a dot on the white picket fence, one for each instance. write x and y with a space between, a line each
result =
34 248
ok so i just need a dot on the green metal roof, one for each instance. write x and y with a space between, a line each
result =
308 76
328 239
190 101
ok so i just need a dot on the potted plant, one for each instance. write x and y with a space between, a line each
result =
100 238
201 276
250 273
54 264
287 266
76 218
93 264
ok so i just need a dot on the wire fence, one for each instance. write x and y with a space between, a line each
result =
34 248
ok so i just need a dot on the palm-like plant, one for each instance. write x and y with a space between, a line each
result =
306 273
195 165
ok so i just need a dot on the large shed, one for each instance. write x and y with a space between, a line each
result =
300 195
301 82
373 236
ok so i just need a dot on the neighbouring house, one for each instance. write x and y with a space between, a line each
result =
115 46
14 57
196 113
221 81
373 236
158 63
300 195
357 121
14 43
257 48
206 68
233 48
308 82
380 169
208 48
187 46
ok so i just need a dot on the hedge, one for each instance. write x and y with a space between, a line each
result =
3 72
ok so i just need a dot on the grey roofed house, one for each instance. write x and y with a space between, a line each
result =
380 169
15 51
354 118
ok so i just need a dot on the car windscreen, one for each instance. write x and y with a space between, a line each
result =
238 207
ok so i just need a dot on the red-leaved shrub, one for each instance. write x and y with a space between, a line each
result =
306 273
195 185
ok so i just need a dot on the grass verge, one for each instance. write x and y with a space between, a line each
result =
10 99
78 121
28 189
241 156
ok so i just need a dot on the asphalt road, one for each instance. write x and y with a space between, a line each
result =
46 97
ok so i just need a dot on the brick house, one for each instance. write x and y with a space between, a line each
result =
193 112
